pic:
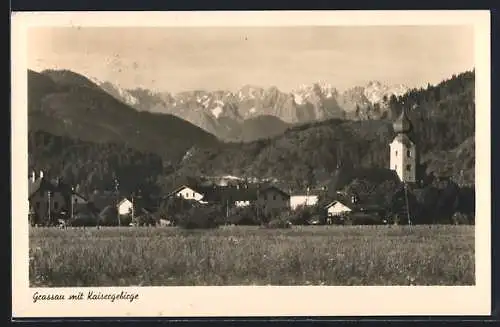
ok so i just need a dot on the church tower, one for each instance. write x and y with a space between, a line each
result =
403 157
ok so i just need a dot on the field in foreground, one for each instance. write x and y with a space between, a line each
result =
319 255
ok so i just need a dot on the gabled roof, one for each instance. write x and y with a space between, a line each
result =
123 200
81 196
47 185
196 188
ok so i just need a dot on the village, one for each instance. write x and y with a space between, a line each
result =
53 202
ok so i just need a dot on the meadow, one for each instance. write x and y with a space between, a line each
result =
312 255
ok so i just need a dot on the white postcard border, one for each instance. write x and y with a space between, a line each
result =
253 300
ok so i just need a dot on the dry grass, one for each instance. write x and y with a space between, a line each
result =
336 255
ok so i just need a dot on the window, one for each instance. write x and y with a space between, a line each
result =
408 167
395 167
56 205
396 153
274 197
37 205
193 194
408 153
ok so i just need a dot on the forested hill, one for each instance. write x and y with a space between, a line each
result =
93 166
65 103
442 115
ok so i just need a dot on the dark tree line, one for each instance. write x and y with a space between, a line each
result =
94 166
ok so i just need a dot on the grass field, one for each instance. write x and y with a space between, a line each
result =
319 255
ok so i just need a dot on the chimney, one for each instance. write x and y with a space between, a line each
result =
41 174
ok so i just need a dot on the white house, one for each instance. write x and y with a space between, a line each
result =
299 200
337 208
125 207
188 193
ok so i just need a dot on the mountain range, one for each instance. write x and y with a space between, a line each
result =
236 116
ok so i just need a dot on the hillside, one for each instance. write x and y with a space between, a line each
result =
259 127
443 118
91 166
458 162
68 104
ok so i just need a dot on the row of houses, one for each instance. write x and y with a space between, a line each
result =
53 199
65 202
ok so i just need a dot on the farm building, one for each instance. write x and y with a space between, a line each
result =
189 192
45 194
350 204
125 207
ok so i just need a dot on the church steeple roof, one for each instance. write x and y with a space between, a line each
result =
402 125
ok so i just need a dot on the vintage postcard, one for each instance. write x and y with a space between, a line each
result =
198 164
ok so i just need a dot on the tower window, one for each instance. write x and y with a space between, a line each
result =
396 167
396 153
408 167
408 153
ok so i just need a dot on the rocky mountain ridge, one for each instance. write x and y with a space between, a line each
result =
220 112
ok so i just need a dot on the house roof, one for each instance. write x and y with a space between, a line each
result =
123 200
360 204
197 188
81 196
48 185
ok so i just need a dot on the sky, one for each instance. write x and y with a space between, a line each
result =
178 59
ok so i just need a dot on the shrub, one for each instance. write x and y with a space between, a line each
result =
360 218
460 219
145 220
244 216
83 220
202 217
300 216
278 223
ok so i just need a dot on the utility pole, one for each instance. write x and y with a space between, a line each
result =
407 204
71 200
117 199
49 209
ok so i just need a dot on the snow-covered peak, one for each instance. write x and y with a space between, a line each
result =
375 91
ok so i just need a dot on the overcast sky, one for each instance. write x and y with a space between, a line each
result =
178 59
